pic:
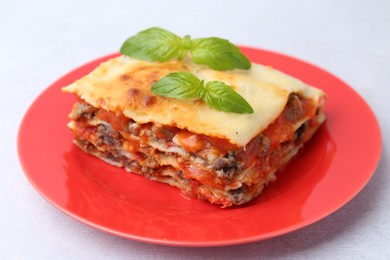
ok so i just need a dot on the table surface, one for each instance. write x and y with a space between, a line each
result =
43 40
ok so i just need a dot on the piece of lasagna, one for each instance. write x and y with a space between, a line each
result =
225 158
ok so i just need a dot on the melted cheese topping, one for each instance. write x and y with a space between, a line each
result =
123 84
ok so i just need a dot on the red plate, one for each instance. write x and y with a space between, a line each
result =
332 168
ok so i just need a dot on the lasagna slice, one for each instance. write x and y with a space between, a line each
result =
225 158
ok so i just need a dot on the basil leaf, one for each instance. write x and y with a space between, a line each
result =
216 94
222 97
157 44
219 54
182 85
153 44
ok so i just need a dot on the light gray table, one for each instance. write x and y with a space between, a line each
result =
42 40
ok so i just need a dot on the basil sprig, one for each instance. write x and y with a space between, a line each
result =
216 94
157 44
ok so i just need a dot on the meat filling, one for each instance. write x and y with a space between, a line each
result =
215 167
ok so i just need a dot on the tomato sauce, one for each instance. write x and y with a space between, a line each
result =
118 121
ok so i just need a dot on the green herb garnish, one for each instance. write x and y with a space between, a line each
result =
156 44
216 94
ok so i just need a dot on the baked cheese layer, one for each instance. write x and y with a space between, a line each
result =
124 84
